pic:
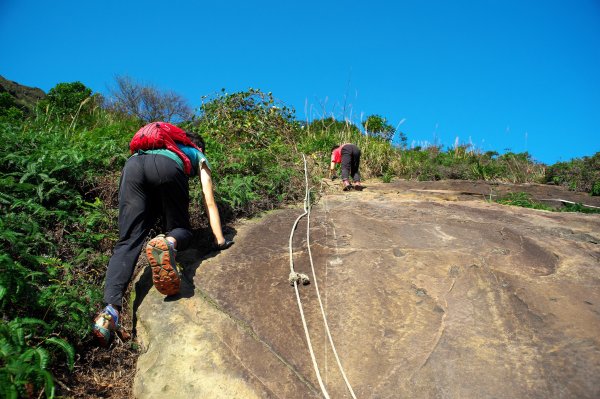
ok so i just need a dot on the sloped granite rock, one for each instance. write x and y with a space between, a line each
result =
429 292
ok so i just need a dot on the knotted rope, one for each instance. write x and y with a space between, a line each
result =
295 278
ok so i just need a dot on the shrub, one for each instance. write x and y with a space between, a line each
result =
10 111
379 127
578 174
250 140
66 102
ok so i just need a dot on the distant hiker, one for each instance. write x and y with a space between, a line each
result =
349 156
153 183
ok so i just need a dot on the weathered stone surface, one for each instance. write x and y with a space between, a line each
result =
429 292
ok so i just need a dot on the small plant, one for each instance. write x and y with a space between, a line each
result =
387 177
523 200
579 208
595 188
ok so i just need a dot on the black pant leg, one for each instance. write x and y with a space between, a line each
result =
355 164
135 221
346 161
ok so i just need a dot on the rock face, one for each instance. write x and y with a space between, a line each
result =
429 292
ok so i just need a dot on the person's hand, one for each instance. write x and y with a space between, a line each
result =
225 244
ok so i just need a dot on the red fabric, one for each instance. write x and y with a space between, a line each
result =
336 155
162 135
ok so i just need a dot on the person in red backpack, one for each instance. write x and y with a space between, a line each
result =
153 183
349 156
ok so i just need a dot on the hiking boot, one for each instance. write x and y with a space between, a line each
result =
106 323
161 256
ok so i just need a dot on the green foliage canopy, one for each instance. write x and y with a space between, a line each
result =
378 126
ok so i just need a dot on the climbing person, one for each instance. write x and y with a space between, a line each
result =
154 182
349 156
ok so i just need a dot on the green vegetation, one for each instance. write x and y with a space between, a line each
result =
54 232
524 200
10 110
59 172
579 174
378 126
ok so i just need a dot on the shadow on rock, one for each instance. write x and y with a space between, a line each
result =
201 248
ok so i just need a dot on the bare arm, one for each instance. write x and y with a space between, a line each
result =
332 170
211 205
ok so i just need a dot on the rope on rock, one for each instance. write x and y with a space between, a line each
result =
295 278
312 266
294 281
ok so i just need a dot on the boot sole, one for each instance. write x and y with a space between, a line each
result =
165 278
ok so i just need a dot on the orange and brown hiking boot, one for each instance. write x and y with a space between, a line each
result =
161 256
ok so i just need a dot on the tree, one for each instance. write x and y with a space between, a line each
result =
378 126
147 103
68 102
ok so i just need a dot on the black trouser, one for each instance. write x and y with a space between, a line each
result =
350 162
151 185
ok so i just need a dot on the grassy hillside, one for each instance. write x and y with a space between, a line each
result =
59 172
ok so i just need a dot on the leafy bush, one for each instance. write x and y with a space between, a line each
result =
69 104
379 127
10 111
250 140
579 174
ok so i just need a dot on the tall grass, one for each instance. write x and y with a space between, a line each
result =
383 160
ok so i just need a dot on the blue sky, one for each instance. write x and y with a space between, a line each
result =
512 74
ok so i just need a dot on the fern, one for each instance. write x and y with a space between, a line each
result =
66 348
23 361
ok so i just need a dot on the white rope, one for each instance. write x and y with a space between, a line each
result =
295 281
312 266
295 277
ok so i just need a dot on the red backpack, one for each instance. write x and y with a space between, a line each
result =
162 135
